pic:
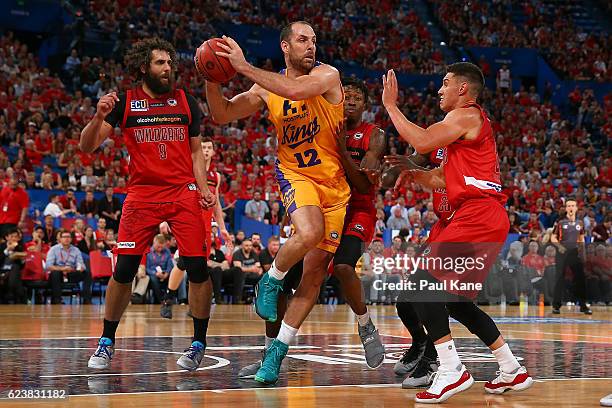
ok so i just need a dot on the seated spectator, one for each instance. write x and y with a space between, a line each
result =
89 205
100 233
37 244
88 243
256 240
12 256
535 262
88 180
601 233
109 208
266 257
275 216
54 208
396 221
65 263
256 209
159 266
240 236
219 269
140 283
49 231
371 271
247 262
68 201
380 227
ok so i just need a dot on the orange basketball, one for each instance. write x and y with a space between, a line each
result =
211 66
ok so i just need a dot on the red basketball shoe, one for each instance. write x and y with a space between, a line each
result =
446 384
517 381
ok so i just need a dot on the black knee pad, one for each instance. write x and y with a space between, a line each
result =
349 251
196 268
126 268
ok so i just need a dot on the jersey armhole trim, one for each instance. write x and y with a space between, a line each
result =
186 102
128 97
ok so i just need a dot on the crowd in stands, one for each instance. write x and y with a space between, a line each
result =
548 27
545 155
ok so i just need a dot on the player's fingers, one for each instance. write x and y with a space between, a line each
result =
226 47
222 54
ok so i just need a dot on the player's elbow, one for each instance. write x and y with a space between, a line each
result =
422 147
220 118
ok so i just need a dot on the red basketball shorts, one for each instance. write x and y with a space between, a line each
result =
360 224
140 222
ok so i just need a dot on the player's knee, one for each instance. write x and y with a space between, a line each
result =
344 272
126 268
196 268
311 235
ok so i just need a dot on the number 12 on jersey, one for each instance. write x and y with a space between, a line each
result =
311 155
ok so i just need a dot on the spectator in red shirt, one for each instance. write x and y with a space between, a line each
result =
537 263
68 200
100 233
37 244
14 202
43 143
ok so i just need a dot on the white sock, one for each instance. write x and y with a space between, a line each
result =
275 273
449 359
286 333
506 360
269 341
364 318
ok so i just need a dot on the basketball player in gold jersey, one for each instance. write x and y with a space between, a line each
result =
305 101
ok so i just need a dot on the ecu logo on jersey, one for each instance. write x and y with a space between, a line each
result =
357 135
141 105
334 235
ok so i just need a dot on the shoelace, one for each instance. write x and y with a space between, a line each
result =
275 357
268 294
103 349
192 351
407 354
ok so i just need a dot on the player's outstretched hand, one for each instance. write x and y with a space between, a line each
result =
404 162
341 136
390 89
233 53
106 104
208 199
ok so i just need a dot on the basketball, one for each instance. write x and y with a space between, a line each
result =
212 67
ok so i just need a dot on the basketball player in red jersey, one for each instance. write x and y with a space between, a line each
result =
213 179
362 146
418 363
161 128
470 173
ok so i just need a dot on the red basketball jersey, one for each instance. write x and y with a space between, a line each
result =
442 207
358 143
471 167
156 133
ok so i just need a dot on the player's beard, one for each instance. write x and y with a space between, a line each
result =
156 85
301 64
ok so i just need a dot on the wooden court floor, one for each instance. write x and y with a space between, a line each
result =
46 347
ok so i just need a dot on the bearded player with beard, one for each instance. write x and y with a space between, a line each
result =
161 128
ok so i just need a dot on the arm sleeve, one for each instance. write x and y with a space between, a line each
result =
149 267
116 115
50 261
196 116
80 265
169 264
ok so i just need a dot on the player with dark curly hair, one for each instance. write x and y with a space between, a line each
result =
161 128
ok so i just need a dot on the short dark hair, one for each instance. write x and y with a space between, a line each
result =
140 54
571 198
273 238
288 29
208 139
469 71
255 233
11 231
358 84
